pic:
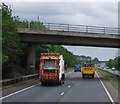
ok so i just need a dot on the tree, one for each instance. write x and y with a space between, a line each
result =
117 63
111 63
30 24
10 41
0 36
95 60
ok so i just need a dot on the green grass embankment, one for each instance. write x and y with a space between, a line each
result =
113 79
69 69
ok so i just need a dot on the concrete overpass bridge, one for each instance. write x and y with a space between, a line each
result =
67 34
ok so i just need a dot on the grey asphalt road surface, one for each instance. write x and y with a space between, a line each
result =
75 89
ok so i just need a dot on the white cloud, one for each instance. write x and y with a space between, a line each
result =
87 13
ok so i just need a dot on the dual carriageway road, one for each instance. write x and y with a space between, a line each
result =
75 89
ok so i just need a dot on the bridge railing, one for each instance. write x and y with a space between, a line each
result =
81 28
72 28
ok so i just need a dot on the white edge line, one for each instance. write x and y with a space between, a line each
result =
62 93
111 99
18 91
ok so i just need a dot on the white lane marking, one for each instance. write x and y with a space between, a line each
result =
73 81
69 86
18 92
62 93
111 99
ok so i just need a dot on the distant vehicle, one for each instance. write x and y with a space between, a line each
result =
51 68
107 67
77 68
88 70
113 69
102 67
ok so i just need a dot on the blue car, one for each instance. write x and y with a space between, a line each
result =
77 68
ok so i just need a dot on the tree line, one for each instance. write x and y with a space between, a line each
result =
87 59
114 63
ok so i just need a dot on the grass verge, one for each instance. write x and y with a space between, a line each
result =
113 79
69 69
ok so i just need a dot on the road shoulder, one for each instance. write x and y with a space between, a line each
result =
111 89
16 87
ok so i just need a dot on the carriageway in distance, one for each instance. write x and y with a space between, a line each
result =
67 34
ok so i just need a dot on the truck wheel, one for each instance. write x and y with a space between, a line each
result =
83 75
63 81
60 82
42 83
63 77
93 76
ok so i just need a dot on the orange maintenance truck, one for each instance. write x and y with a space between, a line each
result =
51 68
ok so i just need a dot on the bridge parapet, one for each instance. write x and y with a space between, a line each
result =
81 28
74 28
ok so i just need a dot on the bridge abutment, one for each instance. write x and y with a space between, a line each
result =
31 58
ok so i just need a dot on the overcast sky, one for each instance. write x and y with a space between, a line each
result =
103 14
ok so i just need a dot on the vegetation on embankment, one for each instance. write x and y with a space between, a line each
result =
114 63
69 69
113 79
11 46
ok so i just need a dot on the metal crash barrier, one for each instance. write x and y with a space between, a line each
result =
18 79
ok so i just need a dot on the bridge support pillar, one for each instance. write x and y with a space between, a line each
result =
31 59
